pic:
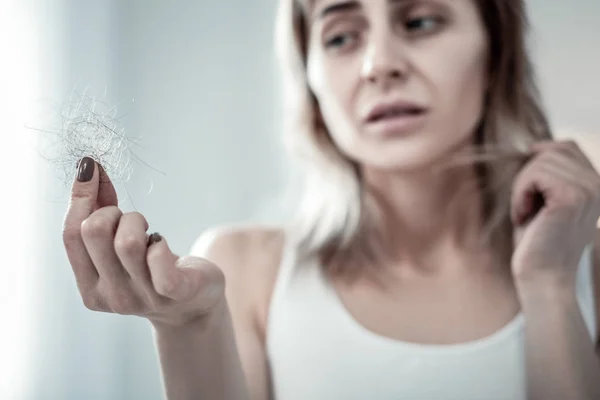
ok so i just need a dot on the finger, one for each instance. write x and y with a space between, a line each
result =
131 245
548 145
107 196
571 172
98 232
161 261
81 205
529 191
567 147
182 279
550 180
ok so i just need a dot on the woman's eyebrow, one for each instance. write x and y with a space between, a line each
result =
337 8
344 7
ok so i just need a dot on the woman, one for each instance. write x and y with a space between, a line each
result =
438 253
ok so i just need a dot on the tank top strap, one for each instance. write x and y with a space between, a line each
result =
586 291
285 271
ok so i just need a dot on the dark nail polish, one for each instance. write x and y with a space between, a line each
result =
154 238
86 170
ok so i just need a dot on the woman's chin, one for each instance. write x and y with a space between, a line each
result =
409 155
404 161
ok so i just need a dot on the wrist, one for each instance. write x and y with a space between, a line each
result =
546 294
207 320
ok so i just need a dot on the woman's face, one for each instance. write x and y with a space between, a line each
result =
400 83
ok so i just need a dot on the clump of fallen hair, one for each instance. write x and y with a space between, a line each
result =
90 127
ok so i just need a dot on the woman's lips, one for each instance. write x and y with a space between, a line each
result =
396 122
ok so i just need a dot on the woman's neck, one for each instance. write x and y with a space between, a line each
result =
424 214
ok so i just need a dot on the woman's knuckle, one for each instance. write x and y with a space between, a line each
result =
92 302
71 237
71 233
129 244
167 286
96 226
124 303
139 216
154 302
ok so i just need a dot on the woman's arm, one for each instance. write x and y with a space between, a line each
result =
201 360
555 205
223 356
560 357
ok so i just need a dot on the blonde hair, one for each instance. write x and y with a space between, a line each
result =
334 214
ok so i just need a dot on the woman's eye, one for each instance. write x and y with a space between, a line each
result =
339 41
423 24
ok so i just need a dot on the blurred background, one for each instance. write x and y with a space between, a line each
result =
197 82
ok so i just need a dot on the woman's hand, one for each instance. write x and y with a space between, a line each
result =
555 206
121 269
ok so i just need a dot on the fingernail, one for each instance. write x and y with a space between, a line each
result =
154 238
86 169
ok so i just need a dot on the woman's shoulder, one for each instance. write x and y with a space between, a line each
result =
249 256
240 242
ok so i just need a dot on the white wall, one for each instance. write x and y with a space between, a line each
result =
202 76
566 41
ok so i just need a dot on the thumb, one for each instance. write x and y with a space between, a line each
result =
92 189
107 196
84 194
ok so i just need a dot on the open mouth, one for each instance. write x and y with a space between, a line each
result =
395 112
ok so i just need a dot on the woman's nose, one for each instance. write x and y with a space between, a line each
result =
385 59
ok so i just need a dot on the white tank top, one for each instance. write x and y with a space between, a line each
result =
318 351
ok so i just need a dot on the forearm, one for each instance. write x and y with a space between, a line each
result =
560 358
201 361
